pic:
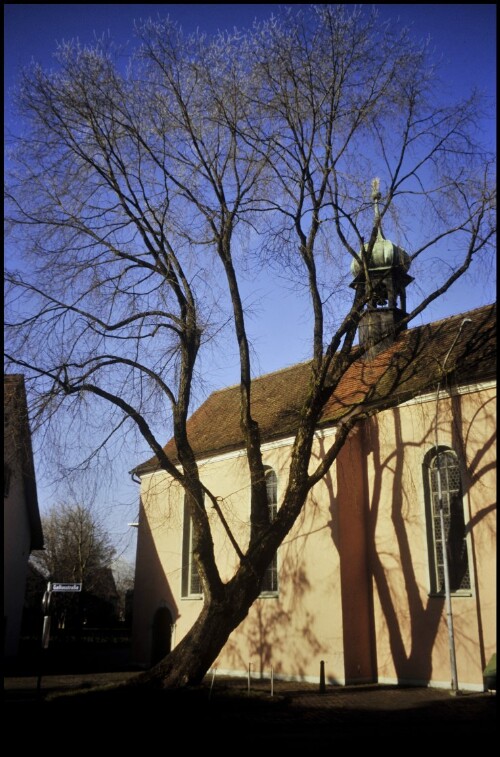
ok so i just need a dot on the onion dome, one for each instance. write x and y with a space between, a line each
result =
384 254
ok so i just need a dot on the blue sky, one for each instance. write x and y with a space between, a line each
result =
464 40
464 34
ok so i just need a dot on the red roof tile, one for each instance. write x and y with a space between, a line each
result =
413 364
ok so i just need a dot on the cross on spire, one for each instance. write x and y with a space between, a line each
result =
376 196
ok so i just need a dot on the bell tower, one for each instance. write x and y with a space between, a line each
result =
380 276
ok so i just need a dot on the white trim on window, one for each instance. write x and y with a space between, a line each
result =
270 582
190 579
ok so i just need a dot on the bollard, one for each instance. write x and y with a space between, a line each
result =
322 677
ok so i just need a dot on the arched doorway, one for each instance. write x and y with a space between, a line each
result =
162 634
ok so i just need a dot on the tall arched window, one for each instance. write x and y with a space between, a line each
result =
270 580
444 488
190 578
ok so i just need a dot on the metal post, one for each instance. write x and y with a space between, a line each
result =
212 683
46 603
447 591
322 677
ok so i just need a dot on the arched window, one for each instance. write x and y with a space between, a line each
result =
190 578
444 488
270 580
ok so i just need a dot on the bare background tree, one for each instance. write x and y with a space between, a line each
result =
77 546
123 573
138 197
78 549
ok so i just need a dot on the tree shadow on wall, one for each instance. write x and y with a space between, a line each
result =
411 618
275 627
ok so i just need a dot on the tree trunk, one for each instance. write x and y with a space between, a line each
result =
187 664
222 612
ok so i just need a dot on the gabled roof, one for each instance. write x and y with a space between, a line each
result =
412 365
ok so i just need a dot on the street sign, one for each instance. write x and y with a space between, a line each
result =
66 587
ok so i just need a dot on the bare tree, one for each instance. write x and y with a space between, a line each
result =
132 194
124 575
78 549
77 546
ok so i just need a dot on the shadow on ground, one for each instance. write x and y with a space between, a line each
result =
297 716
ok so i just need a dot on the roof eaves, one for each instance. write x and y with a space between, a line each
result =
402 358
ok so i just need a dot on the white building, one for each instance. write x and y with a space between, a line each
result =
21 518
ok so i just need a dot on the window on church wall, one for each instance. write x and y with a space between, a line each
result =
444 485
270 580
190 581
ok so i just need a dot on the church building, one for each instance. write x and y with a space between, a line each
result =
389 572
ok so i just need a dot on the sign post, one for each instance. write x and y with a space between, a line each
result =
46 603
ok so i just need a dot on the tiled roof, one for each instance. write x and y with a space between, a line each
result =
412 365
